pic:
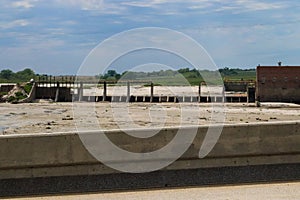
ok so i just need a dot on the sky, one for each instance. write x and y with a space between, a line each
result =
55 36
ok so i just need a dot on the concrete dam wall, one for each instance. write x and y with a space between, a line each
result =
34 159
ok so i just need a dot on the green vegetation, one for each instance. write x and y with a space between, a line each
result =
27 88
184 76
18 96
8 76
3 93
238 74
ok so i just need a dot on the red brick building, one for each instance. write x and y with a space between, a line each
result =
278 84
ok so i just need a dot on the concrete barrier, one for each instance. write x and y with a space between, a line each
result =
6 88
62 94
63 154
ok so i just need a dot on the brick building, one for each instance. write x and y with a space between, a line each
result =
278 84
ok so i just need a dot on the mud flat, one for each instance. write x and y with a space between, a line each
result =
46 117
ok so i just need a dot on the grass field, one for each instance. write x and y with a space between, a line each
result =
193 78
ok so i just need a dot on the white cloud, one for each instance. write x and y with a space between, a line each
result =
259 5
144 4
24 4
84 4
15 23
202 4
103 7
174 7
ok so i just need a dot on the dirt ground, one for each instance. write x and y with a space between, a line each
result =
48 117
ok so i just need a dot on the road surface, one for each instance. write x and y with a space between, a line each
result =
274 191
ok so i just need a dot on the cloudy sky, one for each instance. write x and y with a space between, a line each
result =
54 36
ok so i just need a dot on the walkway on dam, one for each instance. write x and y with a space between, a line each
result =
289 190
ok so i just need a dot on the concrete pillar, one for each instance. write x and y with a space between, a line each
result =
250 94
199 92
32 94
223 94
80 91
151 92
128 92
104 91
57 92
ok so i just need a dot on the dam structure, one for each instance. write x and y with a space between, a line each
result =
105 91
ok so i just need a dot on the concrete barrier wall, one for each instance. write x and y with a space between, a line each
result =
51 92
6 88
63 154
236 86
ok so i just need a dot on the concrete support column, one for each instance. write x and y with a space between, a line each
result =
223 94
104 91
80 91
57 92
128 92
199 92
151 92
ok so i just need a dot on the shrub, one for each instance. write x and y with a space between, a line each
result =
19 95
27 88
11 99
3 93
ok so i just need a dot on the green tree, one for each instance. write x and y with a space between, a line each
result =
25 75
6 74
184 70
111 73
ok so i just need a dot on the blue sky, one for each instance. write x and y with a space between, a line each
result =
55 36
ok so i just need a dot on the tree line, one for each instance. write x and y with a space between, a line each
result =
8 75
192 75
226 73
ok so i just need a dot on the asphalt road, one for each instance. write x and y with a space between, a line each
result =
275 191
